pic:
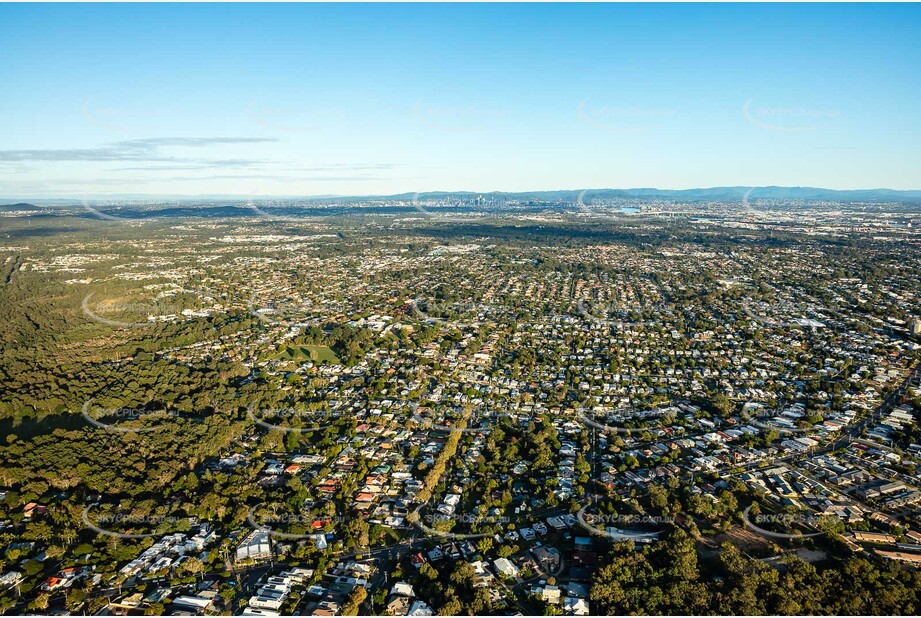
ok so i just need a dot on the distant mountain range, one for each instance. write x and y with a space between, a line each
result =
708 194
712 194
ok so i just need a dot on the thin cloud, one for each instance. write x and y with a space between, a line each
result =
359 178
89 182
356 167
128 150
192 166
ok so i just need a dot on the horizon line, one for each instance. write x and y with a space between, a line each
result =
237 196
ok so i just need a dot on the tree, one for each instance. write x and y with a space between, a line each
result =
658 497
452 607
192 566
429 571
353 602
722 404
40 602
357 532
463 574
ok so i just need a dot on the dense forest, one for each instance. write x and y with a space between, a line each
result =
669 578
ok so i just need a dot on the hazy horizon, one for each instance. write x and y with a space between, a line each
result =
139 196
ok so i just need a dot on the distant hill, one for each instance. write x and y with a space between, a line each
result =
707 194
19 206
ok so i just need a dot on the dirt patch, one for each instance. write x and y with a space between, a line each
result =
744 539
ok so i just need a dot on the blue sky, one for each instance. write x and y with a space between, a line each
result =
356 99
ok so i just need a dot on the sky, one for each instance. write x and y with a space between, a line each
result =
372 99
